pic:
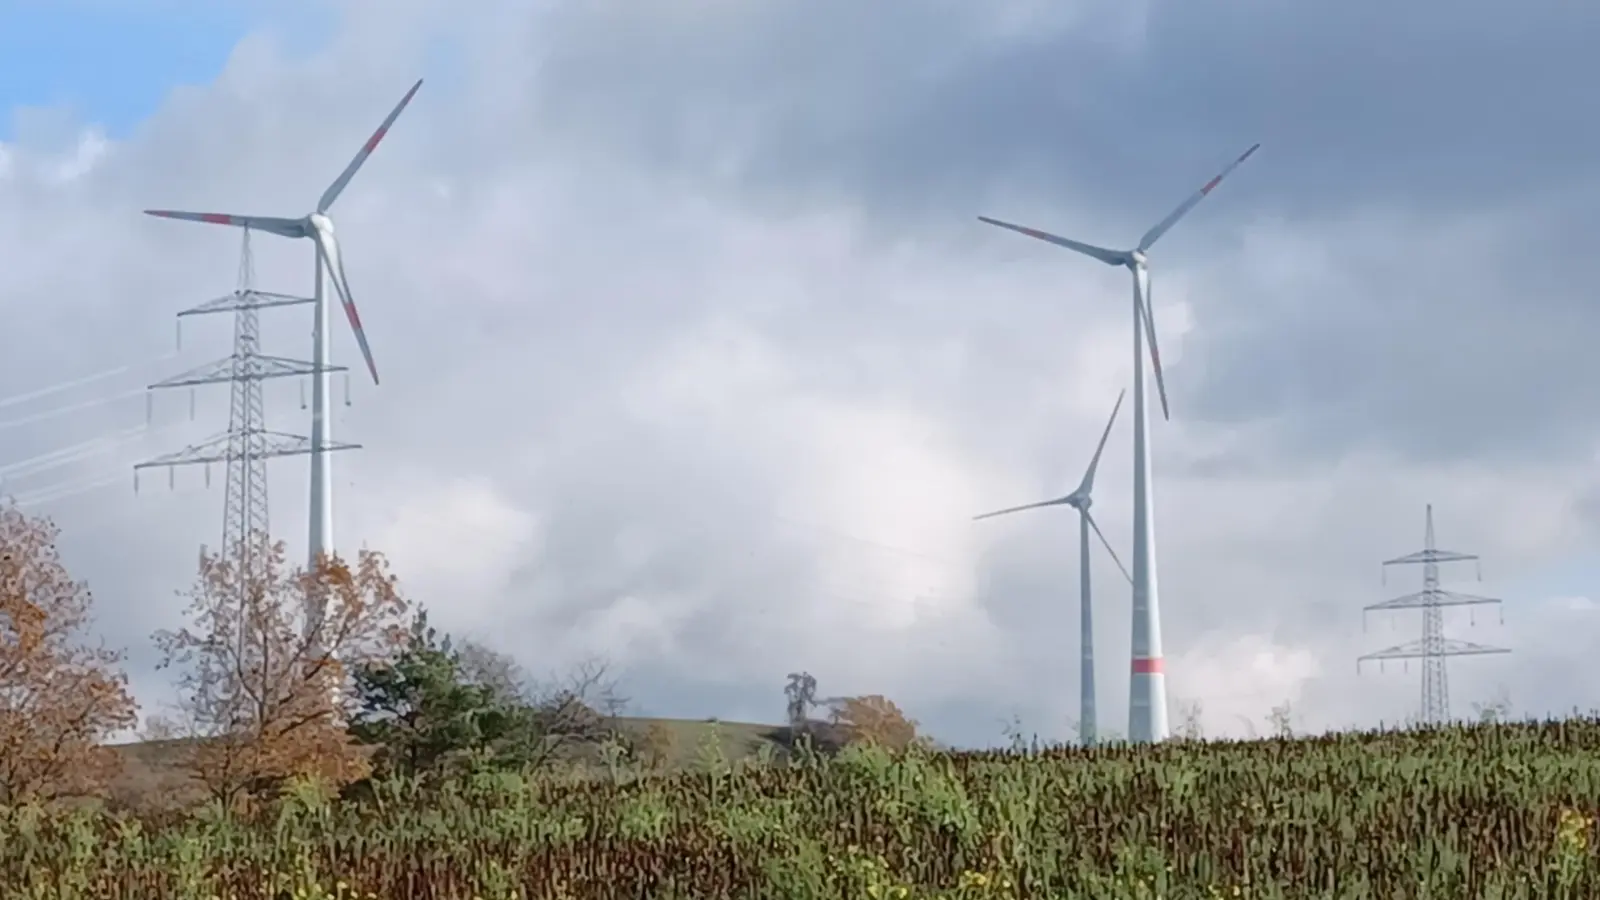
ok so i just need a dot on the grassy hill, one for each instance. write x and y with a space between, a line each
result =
152 774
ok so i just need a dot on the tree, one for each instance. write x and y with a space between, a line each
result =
435 706
60 698
494 670
1190 726
582 703
1281 718
1495 710
801 693
657 746
567 713
1020 741
264 683
875 719
424 714
575 711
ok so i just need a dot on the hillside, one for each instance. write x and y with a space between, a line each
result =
150 769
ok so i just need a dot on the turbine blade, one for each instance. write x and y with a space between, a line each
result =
1088 477
335 189
1141 296
269 224
1154 234
1059 501
1107 544
328 249
1109 257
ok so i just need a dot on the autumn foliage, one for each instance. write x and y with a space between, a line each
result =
264 676
60 697
875 719
657 746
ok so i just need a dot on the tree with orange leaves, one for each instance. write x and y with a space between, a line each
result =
875 719
60 698
264 683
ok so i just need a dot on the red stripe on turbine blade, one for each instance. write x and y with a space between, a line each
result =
1211 184
216 218
1151 665
355 317
372 142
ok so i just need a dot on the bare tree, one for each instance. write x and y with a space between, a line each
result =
158 728
1189 724
1249 727
1017 738
1282 719
481 665
1497 709
263 687
801 692
574 711
59 696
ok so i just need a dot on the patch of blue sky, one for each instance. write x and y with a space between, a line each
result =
111 63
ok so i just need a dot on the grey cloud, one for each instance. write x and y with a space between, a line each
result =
1438 340
1415 114
1355 101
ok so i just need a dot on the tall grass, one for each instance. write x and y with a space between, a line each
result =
1504 811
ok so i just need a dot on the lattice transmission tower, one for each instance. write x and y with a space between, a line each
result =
247 445
1434 648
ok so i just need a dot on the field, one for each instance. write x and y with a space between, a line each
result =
1491 811
151 775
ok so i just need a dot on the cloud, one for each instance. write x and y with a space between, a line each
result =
461 535
694 355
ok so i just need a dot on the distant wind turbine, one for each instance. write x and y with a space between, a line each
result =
1147 686
1081 500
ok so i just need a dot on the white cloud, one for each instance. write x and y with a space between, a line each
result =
459 540
1239 679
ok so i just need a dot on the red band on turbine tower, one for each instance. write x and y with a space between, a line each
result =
1149 665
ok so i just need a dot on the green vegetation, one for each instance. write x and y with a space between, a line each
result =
1488 811
362 755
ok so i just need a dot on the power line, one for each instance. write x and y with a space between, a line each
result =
1434 648
246 446
69 384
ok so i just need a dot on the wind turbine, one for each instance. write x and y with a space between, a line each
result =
1080 500
1147 689
318 227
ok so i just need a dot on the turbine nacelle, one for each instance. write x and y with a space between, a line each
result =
318 227
1080 498
1135 261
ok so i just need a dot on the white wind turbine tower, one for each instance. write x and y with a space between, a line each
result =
1080 500
319 228
1147 689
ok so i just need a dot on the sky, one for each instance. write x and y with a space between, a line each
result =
696 359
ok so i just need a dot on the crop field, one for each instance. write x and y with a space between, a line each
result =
1488 811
